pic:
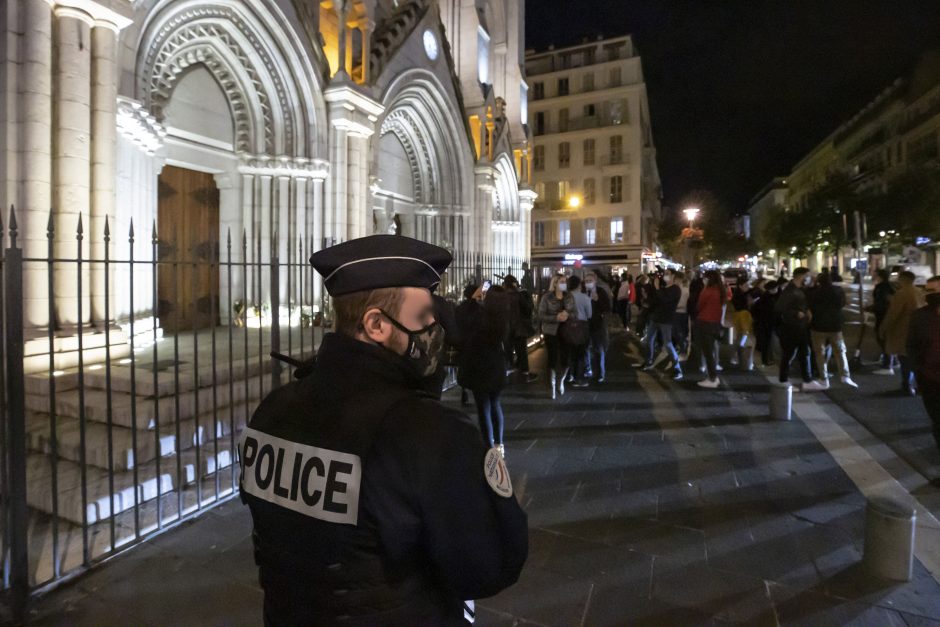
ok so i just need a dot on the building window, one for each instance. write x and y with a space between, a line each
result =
564 155
615 77
616 189
538 158
540 123
588 82
540 191
590 192
563 121
588 152
564 232
538 91
590 231
563 189
616 230
590 110
538 233
616 149
483 56
562 86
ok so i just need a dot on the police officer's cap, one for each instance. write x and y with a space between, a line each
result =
378 261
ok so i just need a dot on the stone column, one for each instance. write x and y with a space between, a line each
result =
103 153
35 123
318 219
339 222
366 26
342 10
358 166
72 158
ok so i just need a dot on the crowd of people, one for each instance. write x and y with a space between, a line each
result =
679 320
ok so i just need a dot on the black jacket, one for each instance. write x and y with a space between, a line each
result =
482 360
826 302
790 304
599 308
408 540
664 302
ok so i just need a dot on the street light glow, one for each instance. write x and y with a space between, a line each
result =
690 213
574 202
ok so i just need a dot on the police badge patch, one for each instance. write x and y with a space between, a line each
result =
496 473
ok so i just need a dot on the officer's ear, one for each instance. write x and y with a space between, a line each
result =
375 327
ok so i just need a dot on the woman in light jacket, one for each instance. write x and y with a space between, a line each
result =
556 306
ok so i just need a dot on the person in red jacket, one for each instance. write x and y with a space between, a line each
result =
707 328
923 349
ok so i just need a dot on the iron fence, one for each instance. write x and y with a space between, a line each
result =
121 411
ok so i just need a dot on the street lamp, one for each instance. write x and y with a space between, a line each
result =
690 214
574 202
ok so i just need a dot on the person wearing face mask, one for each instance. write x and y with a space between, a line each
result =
555 308
923 350
370 502
600 334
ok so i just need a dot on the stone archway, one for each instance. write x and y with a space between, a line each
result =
418 135
270 173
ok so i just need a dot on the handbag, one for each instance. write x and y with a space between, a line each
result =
575 332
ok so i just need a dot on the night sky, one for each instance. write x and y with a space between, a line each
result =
740 90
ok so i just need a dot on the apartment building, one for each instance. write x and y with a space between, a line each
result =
593 158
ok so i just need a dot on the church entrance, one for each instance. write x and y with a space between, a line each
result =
188 250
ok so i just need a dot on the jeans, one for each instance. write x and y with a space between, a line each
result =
837 342
664 331
600 340
795 344
625 309
706 335
488 410
907 373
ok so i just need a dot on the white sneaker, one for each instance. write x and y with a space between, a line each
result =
734 361
814 386
884 371
718 368
849 382
708 383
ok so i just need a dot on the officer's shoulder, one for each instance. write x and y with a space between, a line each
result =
278 399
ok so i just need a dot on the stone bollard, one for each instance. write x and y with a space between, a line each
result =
889 538
781 402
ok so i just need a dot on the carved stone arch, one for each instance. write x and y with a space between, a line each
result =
418 100
397 125
272 87
506 203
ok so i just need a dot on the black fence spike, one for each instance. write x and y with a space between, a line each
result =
153 232
107 230
79 232
130 232
13 227
50 225
228 236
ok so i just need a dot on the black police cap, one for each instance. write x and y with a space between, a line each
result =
377 261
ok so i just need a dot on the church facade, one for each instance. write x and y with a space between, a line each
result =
268 121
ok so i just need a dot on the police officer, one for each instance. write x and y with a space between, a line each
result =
373 504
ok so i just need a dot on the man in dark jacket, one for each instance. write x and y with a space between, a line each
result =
520 326
664 297
826 303
763 313
793 322
600 334
923 349
881 302
371 503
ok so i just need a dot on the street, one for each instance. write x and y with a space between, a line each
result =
650 502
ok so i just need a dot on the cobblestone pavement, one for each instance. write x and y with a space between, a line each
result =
650 502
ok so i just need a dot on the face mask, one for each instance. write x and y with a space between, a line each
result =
807 280
590 286
933 299
424 346
562 287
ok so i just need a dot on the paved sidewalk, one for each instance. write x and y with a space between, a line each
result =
650 503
